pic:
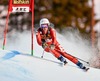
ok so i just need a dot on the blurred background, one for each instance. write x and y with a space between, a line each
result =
65 13
80 15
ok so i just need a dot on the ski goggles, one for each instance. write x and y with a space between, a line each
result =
44 26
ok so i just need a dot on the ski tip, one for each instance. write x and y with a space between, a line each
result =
65 63
86 69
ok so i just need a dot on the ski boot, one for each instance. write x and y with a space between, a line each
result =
81 66
62 59
85 68
65 62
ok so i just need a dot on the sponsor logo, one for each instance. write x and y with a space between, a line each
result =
21 1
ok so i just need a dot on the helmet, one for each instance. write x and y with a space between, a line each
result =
44 21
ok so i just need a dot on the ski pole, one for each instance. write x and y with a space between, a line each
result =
42 54
76 57
82 60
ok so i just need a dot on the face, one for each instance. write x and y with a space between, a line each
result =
44 28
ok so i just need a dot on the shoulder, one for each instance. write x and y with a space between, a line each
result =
52 29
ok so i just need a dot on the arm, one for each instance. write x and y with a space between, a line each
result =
53 34
38 37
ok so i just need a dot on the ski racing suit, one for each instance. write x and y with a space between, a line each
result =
49 39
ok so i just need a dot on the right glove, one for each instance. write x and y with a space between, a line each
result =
44 45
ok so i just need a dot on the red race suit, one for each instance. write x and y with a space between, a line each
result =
50 38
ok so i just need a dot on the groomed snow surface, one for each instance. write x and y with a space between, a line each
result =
15 66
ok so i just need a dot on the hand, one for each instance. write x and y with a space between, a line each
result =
44 45
52 46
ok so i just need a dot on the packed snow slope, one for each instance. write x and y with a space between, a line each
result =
15 66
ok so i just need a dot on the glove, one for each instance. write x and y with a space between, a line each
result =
44 45
52 46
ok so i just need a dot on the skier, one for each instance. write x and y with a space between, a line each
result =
46 37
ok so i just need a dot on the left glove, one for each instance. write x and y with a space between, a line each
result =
52 46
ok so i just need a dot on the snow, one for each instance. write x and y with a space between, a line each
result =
23 67
97 27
